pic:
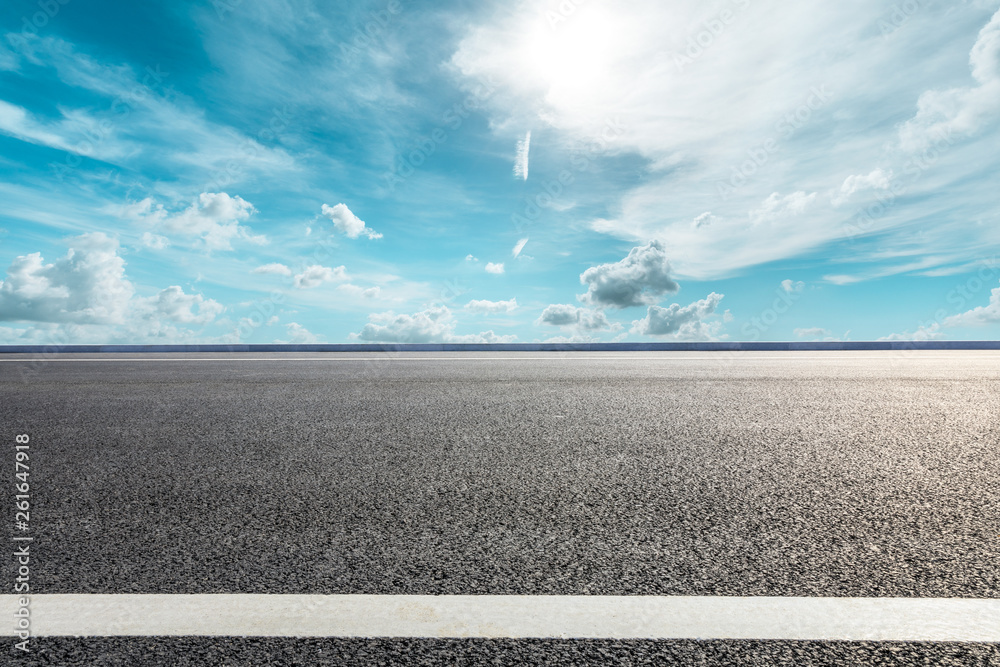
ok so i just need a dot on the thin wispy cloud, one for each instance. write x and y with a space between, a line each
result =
521 158
518 247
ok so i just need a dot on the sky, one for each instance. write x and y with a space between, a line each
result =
237 171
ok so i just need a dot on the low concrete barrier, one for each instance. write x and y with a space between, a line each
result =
723 346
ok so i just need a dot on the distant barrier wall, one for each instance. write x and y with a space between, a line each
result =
724 346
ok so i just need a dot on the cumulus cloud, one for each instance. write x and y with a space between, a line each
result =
923 332
791 286
584 319
177 306
316 275
878 179
86 297
274 268
155 241
979 316
345 222
521 160
88 285
685 322
214 218
299 335
703 220
434 325
484 306
641 278
962 111
495 268
471 258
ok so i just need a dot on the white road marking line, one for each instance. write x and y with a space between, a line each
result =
516 616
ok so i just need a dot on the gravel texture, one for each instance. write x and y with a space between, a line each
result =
819 474
847 474
233 652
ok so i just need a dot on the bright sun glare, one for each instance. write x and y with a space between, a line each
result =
572 55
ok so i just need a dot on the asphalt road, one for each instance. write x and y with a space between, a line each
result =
795 473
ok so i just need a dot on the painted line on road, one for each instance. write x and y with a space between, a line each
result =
514 616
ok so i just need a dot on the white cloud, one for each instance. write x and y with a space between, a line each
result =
484 306
345 222
518 247
173 304
8 60
471 258
87 286
365 292
641 278
434 325
931 332
135 117
603 79
214 218
842 279
878 179
776 207
792 285
85 297
685 322
962 111
155 241
493 267
299 335
581 319
316 275
273 268
980 315
18 123
521 160
703 220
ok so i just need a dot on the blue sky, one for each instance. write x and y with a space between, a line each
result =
251 172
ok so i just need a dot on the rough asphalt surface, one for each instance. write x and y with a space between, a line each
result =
810 473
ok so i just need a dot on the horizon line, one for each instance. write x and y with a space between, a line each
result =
712 346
